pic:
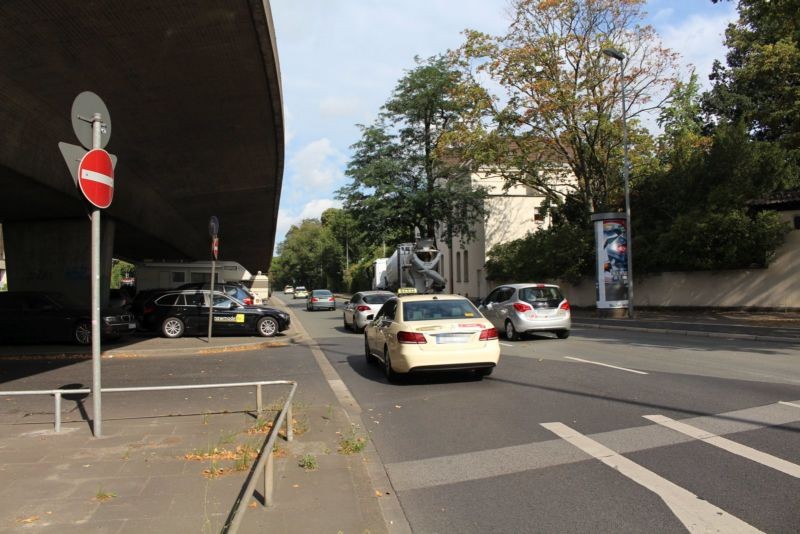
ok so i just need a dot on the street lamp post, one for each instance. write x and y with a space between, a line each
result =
619 56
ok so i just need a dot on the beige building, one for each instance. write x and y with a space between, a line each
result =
512 214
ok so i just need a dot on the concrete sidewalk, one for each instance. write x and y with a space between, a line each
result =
156 471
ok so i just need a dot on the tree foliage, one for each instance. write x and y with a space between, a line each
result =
309 256
560 94
402 176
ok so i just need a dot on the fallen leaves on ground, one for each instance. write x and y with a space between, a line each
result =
28 520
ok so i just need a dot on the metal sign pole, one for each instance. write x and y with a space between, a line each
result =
211 298
97 405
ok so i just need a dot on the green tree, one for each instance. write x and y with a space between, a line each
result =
309 256
760 85
403 176
119 270
560 94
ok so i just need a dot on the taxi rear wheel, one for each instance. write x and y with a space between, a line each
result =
391 376
267 327
172 327
367 354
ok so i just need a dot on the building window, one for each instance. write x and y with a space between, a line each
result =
466 266
178 277
538 214
201 278
458 266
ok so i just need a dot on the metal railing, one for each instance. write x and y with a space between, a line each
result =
57 393
264 460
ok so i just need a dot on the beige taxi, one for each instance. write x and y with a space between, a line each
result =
431 333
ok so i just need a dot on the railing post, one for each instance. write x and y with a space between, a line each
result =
58 411
259 402
289 421
268 482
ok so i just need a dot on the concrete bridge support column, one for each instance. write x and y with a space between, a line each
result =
55 255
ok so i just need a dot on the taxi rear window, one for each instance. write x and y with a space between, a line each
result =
443 309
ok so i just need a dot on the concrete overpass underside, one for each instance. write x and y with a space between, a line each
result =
193 90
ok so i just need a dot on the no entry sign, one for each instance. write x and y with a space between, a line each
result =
96 177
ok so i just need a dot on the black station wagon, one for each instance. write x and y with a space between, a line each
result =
181 312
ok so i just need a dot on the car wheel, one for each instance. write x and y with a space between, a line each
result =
485 371
172 327
367 354
511 332
83 333
267 326
562 334
391 376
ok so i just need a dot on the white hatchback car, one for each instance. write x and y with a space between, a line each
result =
517 309
431 333
361 305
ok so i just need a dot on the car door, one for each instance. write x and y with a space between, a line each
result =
503 306
349 308
375 330
229 317
384 327
487 307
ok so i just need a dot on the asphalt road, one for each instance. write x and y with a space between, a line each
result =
556 440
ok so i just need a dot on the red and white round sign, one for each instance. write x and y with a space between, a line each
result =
215 247
96 177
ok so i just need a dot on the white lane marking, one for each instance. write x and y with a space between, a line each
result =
97 177
607 365
789 404
696 514
507 344
456 468
731 446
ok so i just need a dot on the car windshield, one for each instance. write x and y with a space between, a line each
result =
427 310
377 299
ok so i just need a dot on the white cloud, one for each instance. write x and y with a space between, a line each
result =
334 107
311 210
316 166
700 40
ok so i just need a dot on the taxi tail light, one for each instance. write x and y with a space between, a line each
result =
363 308
416 338
564 305
330 299
314 299
148 310
522 307
489 333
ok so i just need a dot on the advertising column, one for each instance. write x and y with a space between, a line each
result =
611 245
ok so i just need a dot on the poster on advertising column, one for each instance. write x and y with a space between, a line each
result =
611 245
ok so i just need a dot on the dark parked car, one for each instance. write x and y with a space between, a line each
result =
232 289
176 313
44 316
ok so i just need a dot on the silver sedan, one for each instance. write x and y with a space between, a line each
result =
362 304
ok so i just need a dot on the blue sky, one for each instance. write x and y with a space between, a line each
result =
340 60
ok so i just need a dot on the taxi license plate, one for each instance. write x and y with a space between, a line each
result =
452 338
131 326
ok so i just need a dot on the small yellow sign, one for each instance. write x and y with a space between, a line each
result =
407 291
239 317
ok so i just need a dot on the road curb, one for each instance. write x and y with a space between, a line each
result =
692 333
148 353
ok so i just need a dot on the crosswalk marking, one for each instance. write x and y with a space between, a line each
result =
696 514
606 365
731 446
